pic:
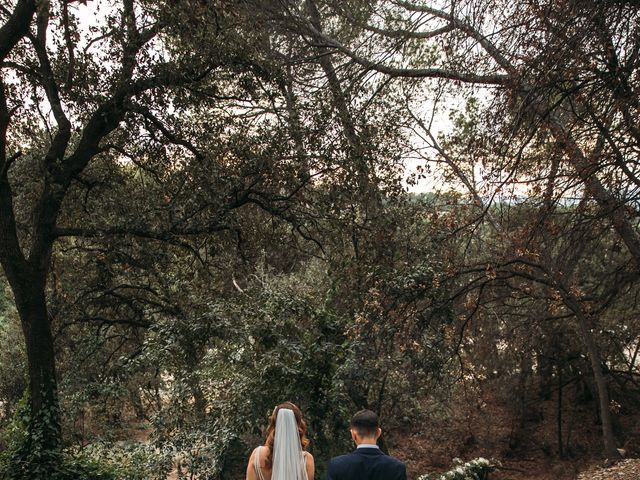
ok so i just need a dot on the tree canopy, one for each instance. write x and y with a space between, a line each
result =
207 207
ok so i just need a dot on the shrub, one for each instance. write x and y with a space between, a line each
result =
477 469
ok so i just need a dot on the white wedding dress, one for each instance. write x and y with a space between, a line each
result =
288 457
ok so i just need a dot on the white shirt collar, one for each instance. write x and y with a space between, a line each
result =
368 445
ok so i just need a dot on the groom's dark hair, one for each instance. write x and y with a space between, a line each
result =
365 422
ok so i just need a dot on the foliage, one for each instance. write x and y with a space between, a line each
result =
276 340
203 214
12 356
24 456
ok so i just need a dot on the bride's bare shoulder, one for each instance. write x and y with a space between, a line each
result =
263 452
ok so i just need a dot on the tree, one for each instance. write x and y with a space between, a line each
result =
168 124
564 70
97 103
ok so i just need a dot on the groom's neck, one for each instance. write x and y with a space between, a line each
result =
366 441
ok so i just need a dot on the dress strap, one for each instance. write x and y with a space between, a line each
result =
256 464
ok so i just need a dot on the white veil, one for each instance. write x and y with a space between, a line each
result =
288 456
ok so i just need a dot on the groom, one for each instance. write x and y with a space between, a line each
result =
367 462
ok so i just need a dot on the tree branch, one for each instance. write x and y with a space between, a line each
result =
173 138
495 79
16 27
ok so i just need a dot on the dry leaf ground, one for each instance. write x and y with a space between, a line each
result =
625 470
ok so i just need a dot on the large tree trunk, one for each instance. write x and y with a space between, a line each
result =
42 372
44 428
27 278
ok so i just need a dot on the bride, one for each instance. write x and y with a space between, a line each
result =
283 456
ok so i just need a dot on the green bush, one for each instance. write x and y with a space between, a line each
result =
23 459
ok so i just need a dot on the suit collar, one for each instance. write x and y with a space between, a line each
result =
368 451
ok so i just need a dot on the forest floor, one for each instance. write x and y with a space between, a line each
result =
482 423
625 470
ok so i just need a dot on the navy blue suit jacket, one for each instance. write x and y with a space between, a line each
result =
366 463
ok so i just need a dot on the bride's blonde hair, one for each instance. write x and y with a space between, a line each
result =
271 429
